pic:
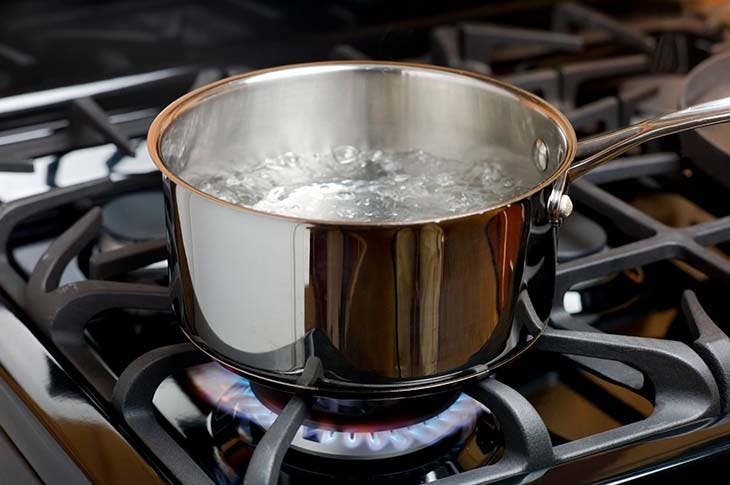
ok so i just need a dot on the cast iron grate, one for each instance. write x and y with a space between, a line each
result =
695 389
687 384
63 119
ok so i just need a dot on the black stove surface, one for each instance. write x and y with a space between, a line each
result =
629 382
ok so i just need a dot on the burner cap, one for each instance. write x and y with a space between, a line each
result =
580 236
135 217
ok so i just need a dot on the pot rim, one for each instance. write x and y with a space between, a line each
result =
188 101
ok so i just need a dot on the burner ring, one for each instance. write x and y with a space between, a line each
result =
458 420
356 415
136 216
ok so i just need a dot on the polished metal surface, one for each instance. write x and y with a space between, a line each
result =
604 147
101 453
383 307
311 108
619 141
387 307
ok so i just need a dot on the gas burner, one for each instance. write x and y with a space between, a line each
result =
358 415
581 237
240 407
340 429
603 295
133 217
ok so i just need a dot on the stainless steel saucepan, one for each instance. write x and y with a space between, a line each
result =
388 308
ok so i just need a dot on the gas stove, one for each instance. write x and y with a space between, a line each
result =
630 382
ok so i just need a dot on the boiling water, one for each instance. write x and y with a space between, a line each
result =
370 185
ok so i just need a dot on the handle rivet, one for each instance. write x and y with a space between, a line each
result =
565 207
540 154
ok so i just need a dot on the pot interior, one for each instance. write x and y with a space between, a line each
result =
235 126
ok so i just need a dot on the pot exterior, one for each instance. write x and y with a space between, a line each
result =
386 309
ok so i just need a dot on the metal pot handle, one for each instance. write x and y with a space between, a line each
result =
595 150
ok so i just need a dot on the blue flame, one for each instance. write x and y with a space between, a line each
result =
459 418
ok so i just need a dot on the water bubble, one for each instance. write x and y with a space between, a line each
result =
375 156
444 179
290 159
278 193
345 154
345 195
369 185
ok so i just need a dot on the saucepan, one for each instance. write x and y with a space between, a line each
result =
387 308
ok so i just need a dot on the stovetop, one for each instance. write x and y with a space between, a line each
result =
629 382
